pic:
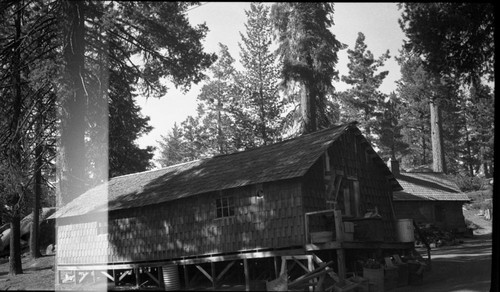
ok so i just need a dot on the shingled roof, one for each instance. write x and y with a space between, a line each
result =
427 186
284 160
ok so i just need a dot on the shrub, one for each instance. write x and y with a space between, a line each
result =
469 183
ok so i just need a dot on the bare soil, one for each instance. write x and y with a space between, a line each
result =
37 274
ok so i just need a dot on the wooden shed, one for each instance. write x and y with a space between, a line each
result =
306 198
430 198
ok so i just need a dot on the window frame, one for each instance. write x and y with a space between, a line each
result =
224 207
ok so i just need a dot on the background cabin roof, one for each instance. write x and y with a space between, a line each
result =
427 186
284 160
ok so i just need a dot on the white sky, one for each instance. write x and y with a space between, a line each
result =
377 21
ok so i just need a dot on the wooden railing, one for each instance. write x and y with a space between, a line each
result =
339 226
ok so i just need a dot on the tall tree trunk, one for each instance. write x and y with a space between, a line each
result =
424 147
71 159
307 108
34 232
438 161
15 264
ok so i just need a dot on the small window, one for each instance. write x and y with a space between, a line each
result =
225 207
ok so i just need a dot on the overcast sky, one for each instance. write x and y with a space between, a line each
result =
377 21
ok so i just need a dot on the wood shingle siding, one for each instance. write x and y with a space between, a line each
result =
190 227
247 201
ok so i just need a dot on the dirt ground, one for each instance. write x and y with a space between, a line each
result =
465 267
37 275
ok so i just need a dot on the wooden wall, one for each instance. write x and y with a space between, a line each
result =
425 212
189 227
348 157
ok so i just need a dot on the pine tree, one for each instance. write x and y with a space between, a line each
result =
216 103
455 42
308 52
172 148
363 101
260 106
391 142
414 90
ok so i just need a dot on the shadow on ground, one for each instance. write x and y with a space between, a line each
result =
458 268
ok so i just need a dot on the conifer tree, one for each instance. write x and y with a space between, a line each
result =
217 100
308 51
260 106
363 101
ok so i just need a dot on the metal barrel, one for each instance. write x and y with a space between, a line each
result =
171 278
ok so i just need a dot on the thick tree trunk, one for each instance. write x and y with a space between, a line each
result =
308 109
71 160
15 264
438 161
34 232
424 148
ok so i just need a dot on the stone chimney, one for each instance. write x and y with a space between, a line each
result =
394 166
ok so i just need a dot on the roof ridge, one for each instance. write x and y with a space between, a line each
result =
226 155
281 142
157 169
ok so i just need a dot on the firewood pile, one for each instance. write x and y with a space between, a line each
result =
435 236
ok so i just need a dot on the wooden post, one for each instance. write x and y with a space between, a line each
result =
214 275
247 275
283 266
339 225
306 228
186 277
160 277
357 198
310 267
115 278
339 230
341 265
137 279
276 267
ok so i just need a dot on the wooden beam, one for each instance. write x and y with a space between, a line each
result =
115 278
341 266
108 276
189 261
186 277
160 277
339 226
126 273
247 275
153 278
137 278
205 273
320 268
310 266
330 272
214 275
306 278
301 265
283 266
83 277
225 270
276 275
